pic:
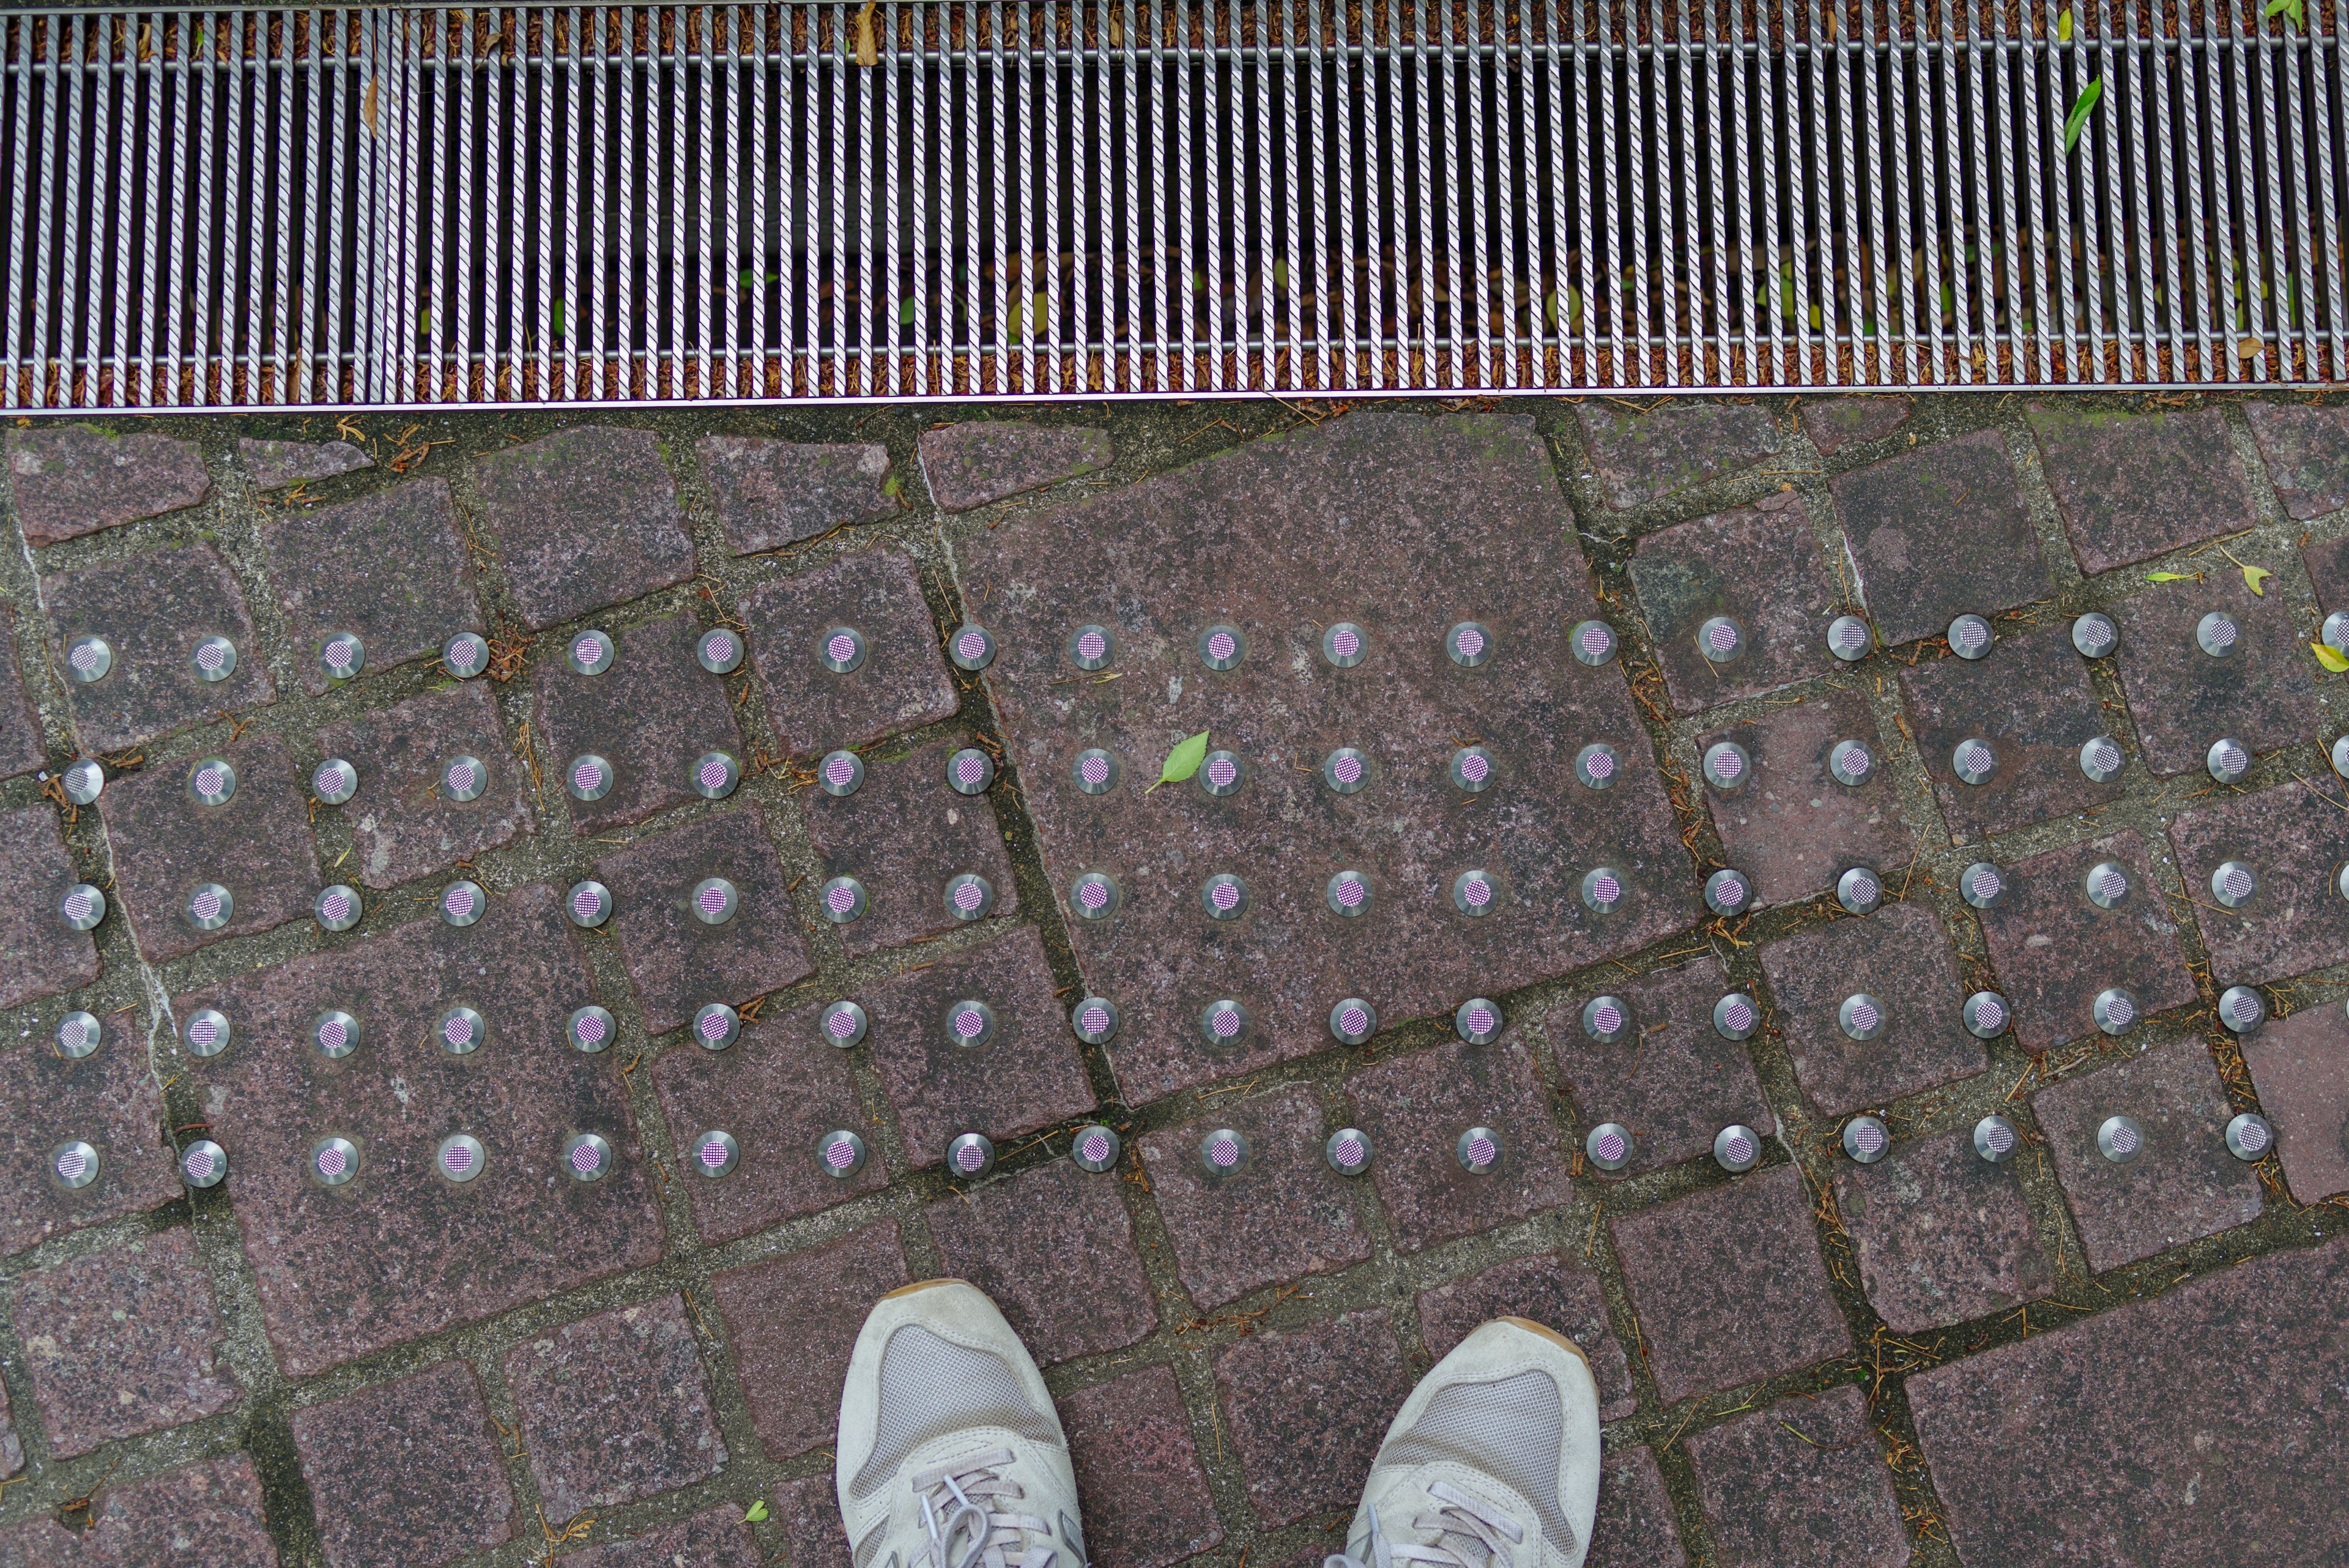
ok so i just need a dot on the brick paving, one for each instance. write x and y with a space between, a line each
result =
542 1310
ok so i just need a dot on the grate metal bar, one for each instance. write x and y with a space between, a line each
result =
961 199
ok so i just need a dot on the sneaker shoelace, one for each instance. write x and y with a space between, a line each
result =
956 1498
1465 1533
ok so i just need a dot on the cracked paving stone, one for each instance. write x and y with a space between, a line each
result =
2307 453
2182 1187
792 1324
1675 1081
403 824
674 962
1936 532
399 1251
614 1407
1901 956
45 955
2195 1427
404 1474
807 1514
2293 838
207 1513
2055 950
583 519
1145 1497
1281 1215
1800 1484
1758 567
167 843
22 746
1308 1408
969 465
1405 526
71 480
2130 486
1054 1248
904 834
777 1089
1554 1290
1416 1107
2182 699
273 464
388 567
652 715
2031 698
153 608
1023 1074
1729 1284
1942 1235
108 1099
2300 1066
902 682
769 494
714 1538
121 1342
1640 454
1792 827
1835 423
1636 1527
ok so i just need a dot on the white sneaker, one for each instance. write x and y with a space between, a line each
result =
1493 1462
950 1453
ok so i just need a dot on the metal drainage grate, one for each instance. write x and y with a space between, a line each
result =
254 209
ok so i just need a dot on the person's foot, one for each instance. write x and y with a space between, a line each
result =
1493 1462
950 1453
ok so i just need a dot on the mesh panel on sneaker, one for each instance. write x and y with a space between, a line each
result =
1511 1429
932 1386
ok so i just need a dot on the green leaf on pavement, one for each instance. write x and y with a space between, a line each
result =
1183 761
2332 658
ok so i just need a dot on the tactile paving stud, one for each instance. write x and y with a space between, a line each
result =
2232 883
1092 648
713 900
1475 893
589 653
463 902
1849 638
1727 891
2242 1009
1986 1015
464 778
1094 1019
1738 1148
465 655
1095 771
82 908
2101 759
342 655
1221 647
719 651
840 772
969 897
2217 634
212 906
214 658
1606 1019
1609 1146
2115 1010
78 1034
2228 759
334 781
591 1029
842 899
843 1024
459 1159
1995 1139
1859 890
1726 766
212 781
1470 644
2334 633
207 1032
1477 1020
589 903
338 908
1345 770
336 1034
462 1030
1349 894
716 1026
970 1024
2095 635
1348 1151
1970 637
2249 1136
1736 1016
1867 1139
88 659
1223 1152
1344 644
1593 642
1603 890
715 1153
334 1161
83 780
970 770
2120 1139
589 777
841 1154
840 649
1095 1148
74 1163
1851 763
715 774
1223 1021
1472 770
1972 761
204 1163
1221 772
586 1156
1863 1017
1353 1021
2341 881
970 1155
1478 1150
1224 895
1720 639
1093 896
972 647
1598 765
1981 885
2107 885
